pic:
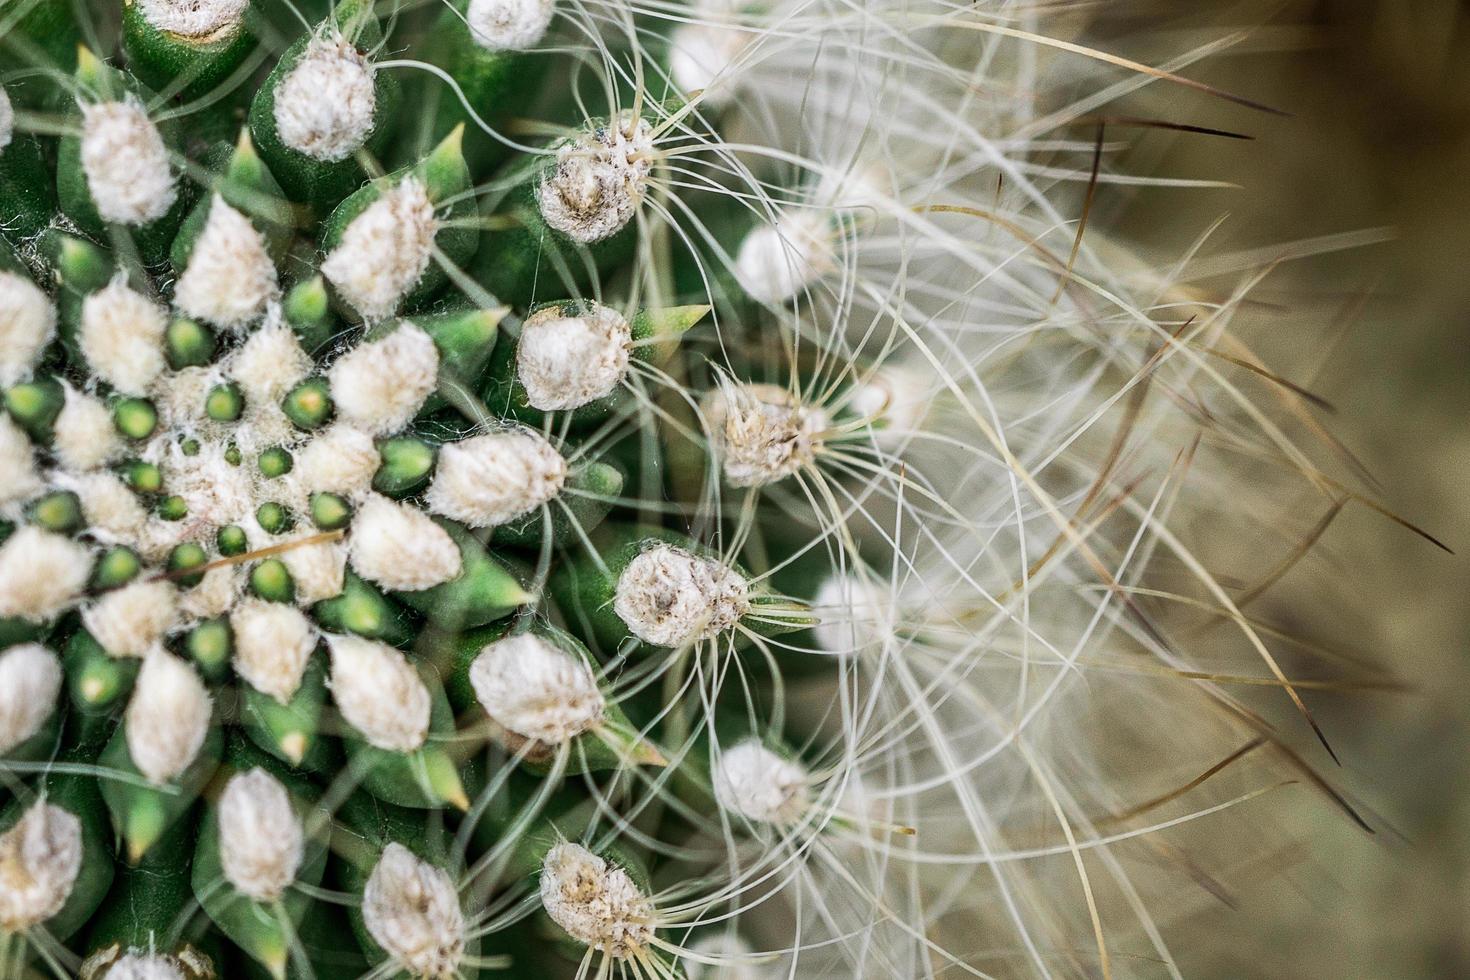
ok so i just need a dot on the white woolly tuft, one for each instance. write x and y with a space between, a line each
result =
18 478
121 336
400 547
84 437
273 644
777 261
855 613
670 597
567 361
341 460
700 57
385 250
7 120
195 18
214 595
40 858
126 163
318 570
411 909
269 364
534 689
761 433
509 25
379 386
230 276
379 693
145 966
113 513
324 105
596 902
167 717
494 478
261 840
27 321
759 785
130 621
41 573
598 180
30 680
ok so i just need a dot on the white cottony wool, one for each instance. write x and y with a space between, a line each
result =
167 718
535 689
596 902
230 276
27 325
83 436
567 361
18 478
30 680
194 18
379 693
130 621
509 25
777 261
273 643
380 385
7 120
761 432
411 909
385 250
126 163
759 785
261 840
41 573
597 182
214 595
113 512
670 597
324 106
121 337
341 459
494 478
269 364
318 570
40 858
138 965
400 547
855 613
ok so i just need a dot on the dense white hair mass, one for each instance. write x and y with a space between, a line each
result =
261 839
40 857
598 180
596 902
126 162
411 909
324 106
669 597
495 478
565 361
385 250
536 690
509 25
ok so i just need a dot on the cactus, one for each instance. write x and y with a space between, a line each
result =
480 494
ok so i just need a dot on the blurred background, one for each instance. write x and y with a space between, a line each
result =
1378 137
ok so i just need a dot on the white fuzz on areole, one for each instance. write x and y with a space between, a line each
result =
411 909
379 693
113 513
41 573
759 785
18 478
854 613
40 858
341 460
126 163
121 337
509 25
385 250
130 621
269 364
669 597
214 491
494 478
144 966
324 106
261 840
230 276
761 432
567 361
534 689
30 680
380 385
214 595
596 902
319 570
27 323
7 120
83 436
597 182
700 55
400 547
273 644
777 261
167 717
195 18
